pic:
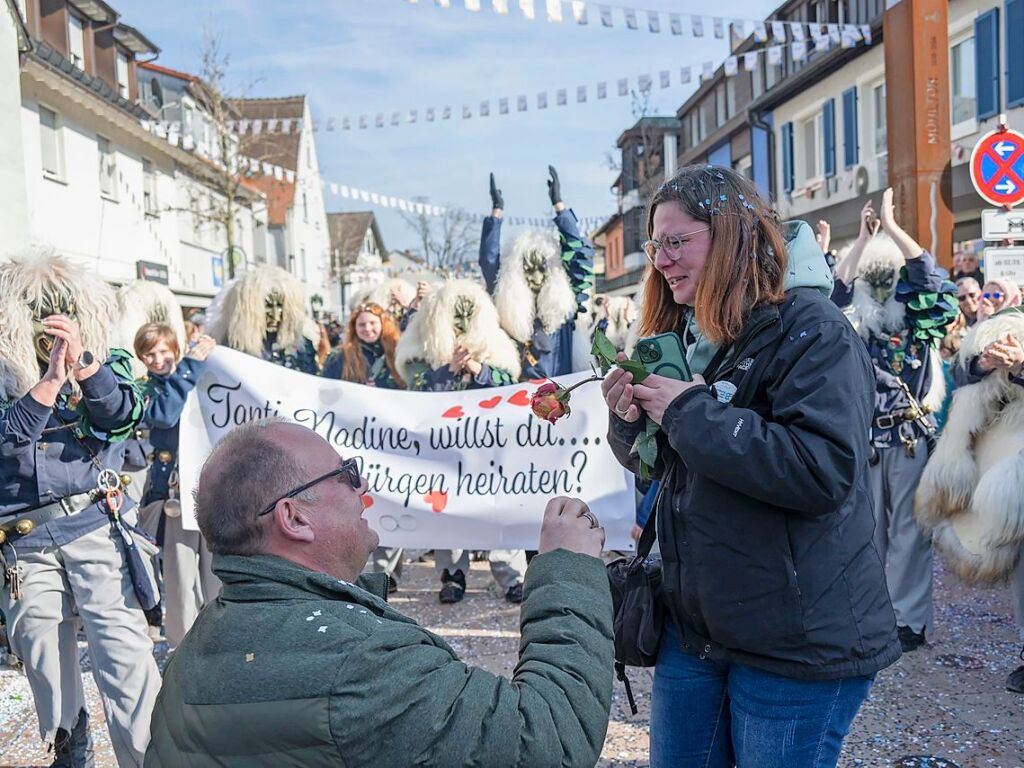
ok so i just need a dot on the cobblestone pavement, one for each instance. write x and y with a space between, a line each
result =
946 702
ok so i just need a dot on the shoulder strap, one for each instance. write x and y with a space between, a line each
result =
646 542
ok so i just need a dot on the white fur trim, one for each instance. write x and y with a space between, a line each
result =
431 337
240 321
516 304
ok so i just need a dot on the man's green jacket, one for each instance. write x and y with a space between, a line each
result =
290 667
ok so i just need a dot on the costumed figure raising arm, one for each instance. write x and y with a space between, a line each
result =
490 239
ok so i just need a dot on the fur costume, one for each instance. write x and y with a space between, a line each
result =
876 317
615 316
431 335
23 280
518 307
143 301
381 294
240 317
971 494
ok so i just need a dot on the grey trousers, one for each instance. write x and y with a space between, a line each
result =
507 565
905 550
189 581
86 580
386 560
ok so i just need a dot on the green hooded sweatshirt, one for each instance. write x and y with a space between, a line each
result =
805 268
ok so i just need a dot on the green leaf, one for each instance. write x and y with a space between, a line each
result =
603 349
647 450
635 368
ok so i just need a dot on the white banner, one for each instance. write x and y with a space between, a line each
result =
454 470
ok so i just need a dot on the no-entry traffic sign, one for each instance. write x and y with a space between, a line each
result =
997 167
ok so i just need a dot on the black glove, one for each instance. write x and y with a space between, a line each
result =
554 186
497 201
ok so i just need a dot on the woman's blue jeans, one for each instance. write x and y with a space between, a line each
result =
709 714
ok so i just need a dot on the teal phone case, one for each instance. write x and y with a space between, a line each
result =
663 355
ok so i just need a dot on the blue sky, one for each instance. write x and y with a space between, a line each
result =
355 57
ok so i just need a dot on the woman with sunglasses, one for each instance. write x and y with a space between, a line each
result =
777 611
996 295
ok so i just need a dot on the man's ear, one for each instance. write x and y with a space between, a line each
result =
292 522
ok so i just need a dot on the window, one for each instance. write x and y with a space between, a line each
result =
851 146
51 142
696 127
772 75
309 156
810 137
756 81
721 108
730 96
986 63
122 76
302 262
148 187
961 81
76 41
305 208
195 215
108 167
186 118
880 124
880 130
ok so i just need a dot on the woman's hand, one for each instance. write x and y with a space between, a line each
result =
617 389
658 392
824 236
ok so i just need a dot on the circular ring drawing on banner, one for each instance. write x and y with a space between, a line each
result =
408 523
387 523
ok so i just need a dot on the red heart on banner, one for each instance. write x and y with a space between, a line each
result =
367 501
538 381
492 403
522 397
437 500
455 412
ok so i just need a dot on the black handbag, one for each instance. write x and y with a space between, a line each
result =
638 611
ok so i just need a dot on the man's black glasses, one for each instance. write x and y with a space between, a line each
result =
349 470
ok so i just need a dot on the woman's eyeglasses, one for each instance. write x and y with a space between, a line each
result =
348 472
671 244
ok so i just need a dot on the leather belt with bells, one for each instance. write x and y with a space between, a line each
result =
24 523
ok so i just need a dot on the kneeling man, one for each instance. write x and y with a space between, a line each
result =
298 663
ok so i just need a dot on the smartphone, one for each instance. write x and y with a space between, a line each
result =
663 354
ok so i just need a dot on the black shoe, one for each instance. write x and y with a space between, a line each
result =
453 586
515 593
1015 682
74 749
909 639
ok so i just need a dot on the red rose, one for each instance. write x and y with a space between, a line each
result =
550 402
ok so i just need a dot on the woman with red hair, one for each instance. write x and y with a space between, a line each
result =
367 354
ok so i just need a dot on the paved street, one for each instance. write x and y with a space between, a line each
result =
946 701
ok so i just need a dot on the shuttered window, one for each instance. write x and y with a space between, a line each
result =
787 157
1014 24
986 67
828 115
850 146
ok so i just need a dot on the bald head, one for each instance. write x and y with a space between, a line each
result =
250 467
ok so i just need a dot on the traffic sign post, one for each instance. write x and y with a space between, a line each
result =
997 167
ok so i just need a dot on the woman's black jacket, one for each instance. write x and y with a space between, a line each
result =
765 524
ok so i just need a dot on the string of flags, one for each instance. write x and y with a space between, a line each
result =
824 37
609 15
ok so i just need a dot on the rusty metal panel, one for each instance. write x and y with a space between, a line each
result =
916 35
